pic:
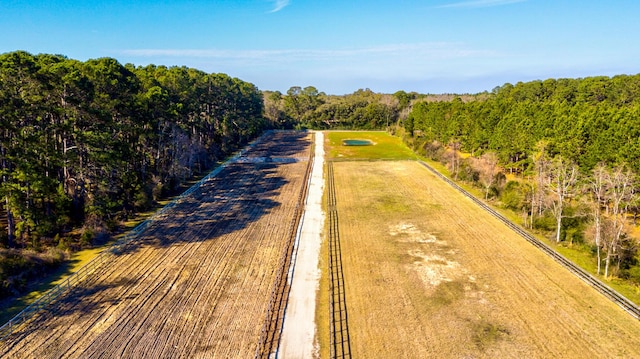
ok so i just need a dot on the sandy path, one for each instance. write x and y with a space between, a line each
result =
299 330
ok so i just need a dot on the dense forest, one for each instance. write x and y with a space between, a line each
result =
85 145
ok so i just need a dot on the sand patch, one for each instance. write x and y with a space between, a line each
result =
407 232
434 269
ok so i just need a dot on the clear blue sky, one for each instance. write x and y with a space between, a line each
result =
438 46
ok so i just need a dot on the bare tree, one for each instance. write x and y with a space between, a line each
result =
619 194
561 187
542 164
598 189
454 160
528 191
488 168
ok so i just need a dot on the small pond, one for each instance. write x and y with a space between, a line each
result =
355 142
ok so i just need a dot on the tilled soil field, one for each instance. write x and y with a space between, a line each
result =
429 274
198 282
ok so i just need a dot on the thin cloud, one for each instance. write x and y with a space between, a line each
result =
480 3
279 5
438 50
389 62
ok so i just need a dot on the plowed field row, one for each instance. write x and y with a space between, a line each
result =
196 284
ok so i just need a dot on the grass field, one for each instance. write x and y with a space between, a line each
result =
386 147
429 274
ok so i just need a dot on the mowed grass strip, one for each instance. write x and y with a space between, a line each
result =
385 146
429 274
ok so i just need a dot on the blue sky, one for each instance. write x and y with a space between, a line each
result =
438 46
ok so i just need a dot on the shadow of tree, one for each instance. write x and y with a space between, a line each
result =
239 195
289 143
72 302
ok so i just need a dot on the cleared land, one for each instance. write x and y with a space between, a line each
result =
199 281
429 274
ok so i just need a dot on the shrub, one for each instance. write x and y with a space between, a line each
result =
546 222
511 196
142 201
467 173
86 237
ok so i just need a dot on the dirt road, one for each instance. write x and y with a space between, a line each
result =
299 332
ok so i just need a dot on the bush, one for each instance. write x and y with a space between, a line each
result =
434 150
18 267
546 222
467 173
633 274
142 201
52 257
511 196
86 237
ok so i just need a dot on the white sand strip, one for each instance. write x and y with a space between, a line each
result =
298 338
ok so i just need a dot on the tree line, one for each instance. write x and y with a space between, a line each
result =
563 153
86 144
309 108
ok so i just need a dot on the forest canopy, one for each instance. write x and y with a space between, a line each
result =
85 144
588 121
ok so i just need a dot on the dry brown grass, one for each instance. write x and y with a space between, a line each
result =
429 274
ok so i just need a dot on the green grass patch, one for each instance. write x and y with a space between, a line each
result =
447 293
12 306
583 258
486 333
384 147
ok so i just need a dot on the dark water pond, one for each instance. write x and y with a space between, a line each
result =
357 143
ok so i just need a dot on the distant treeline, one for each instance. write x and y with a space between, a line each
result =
86 144
309 108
